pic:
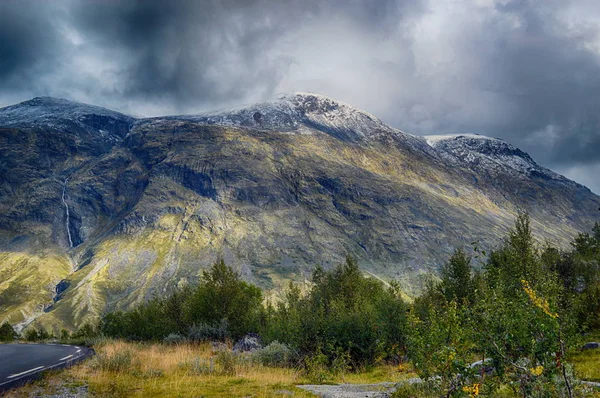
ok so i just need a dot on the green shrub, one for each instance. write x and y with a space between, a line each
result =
65 335
317 367
7 333
198 366
120 361
203 332
221 297
227 361
39 334
174 339
276 354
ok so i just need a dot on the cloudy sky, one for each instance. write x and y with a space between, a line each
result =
525 71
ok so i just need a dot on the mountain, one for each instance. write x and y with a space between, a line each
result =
101 211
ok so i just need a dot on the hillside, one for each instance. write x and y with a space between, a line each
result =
99 210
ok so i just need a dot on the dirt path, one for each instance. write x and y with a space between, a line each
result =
378 390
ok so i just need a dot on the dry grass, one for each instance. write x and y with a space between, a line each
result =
150 370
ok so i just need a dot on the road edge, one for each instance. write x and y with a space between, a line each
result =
86 352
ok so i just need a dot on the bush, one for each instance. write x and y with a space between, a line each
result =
85 332
198 366
317 367
276 355
174 339
227 361
39 334
203 332
65 335
119 361
7 333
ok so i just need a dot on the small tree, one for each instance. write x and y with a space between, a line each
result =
457 281
440 347
7 333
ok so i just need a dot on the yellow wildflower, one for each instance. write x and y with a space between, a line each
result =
473 390
539 302
538 370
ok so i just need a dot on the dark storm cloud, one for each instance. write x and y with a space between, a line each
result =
195 54
525 71
28 40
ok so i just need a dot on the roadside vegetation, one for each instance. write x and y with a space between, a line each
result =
507 323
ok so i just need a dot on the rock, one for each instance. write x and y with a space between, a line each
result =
248 343
484 365
591 345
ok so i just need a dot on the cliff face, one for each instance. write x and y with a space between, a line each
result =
100 211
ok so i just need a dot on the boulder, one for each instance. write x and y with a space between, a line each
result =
250 342
483 365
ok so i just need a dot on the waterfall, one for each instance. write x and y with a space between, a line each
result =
67 212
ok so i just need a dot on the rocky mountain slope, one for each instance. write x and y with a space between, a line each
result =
100 211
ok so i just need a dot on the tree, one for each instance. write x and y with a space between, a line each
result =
518 322
223 296
457 281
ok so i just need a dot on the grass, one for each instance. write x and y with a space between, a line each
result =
122 369
586 363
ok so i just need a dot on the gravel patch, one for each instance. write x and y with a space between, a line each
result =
379 390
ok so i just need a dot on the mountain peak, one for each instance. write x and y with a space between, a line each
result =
45 100
62 114
304 113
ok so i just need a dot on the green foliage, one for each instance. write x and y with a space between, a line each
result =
521 312
222 295
119 361
344 312
65 335
457 281
7 333
276 354
515 313
207 332
85 332
317 369
39 334
221 306
227 361
441 347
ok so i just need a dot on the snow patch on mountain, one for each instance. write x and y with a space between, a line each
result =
489 155
432 140
303 113
61 114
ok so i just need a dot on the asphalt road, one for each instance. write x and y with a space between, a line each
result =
22 362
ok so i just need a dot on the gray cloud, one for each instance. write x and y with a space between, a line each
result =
525 71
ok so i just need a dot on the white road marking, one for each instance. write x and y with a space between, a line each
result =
67 357
27 371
